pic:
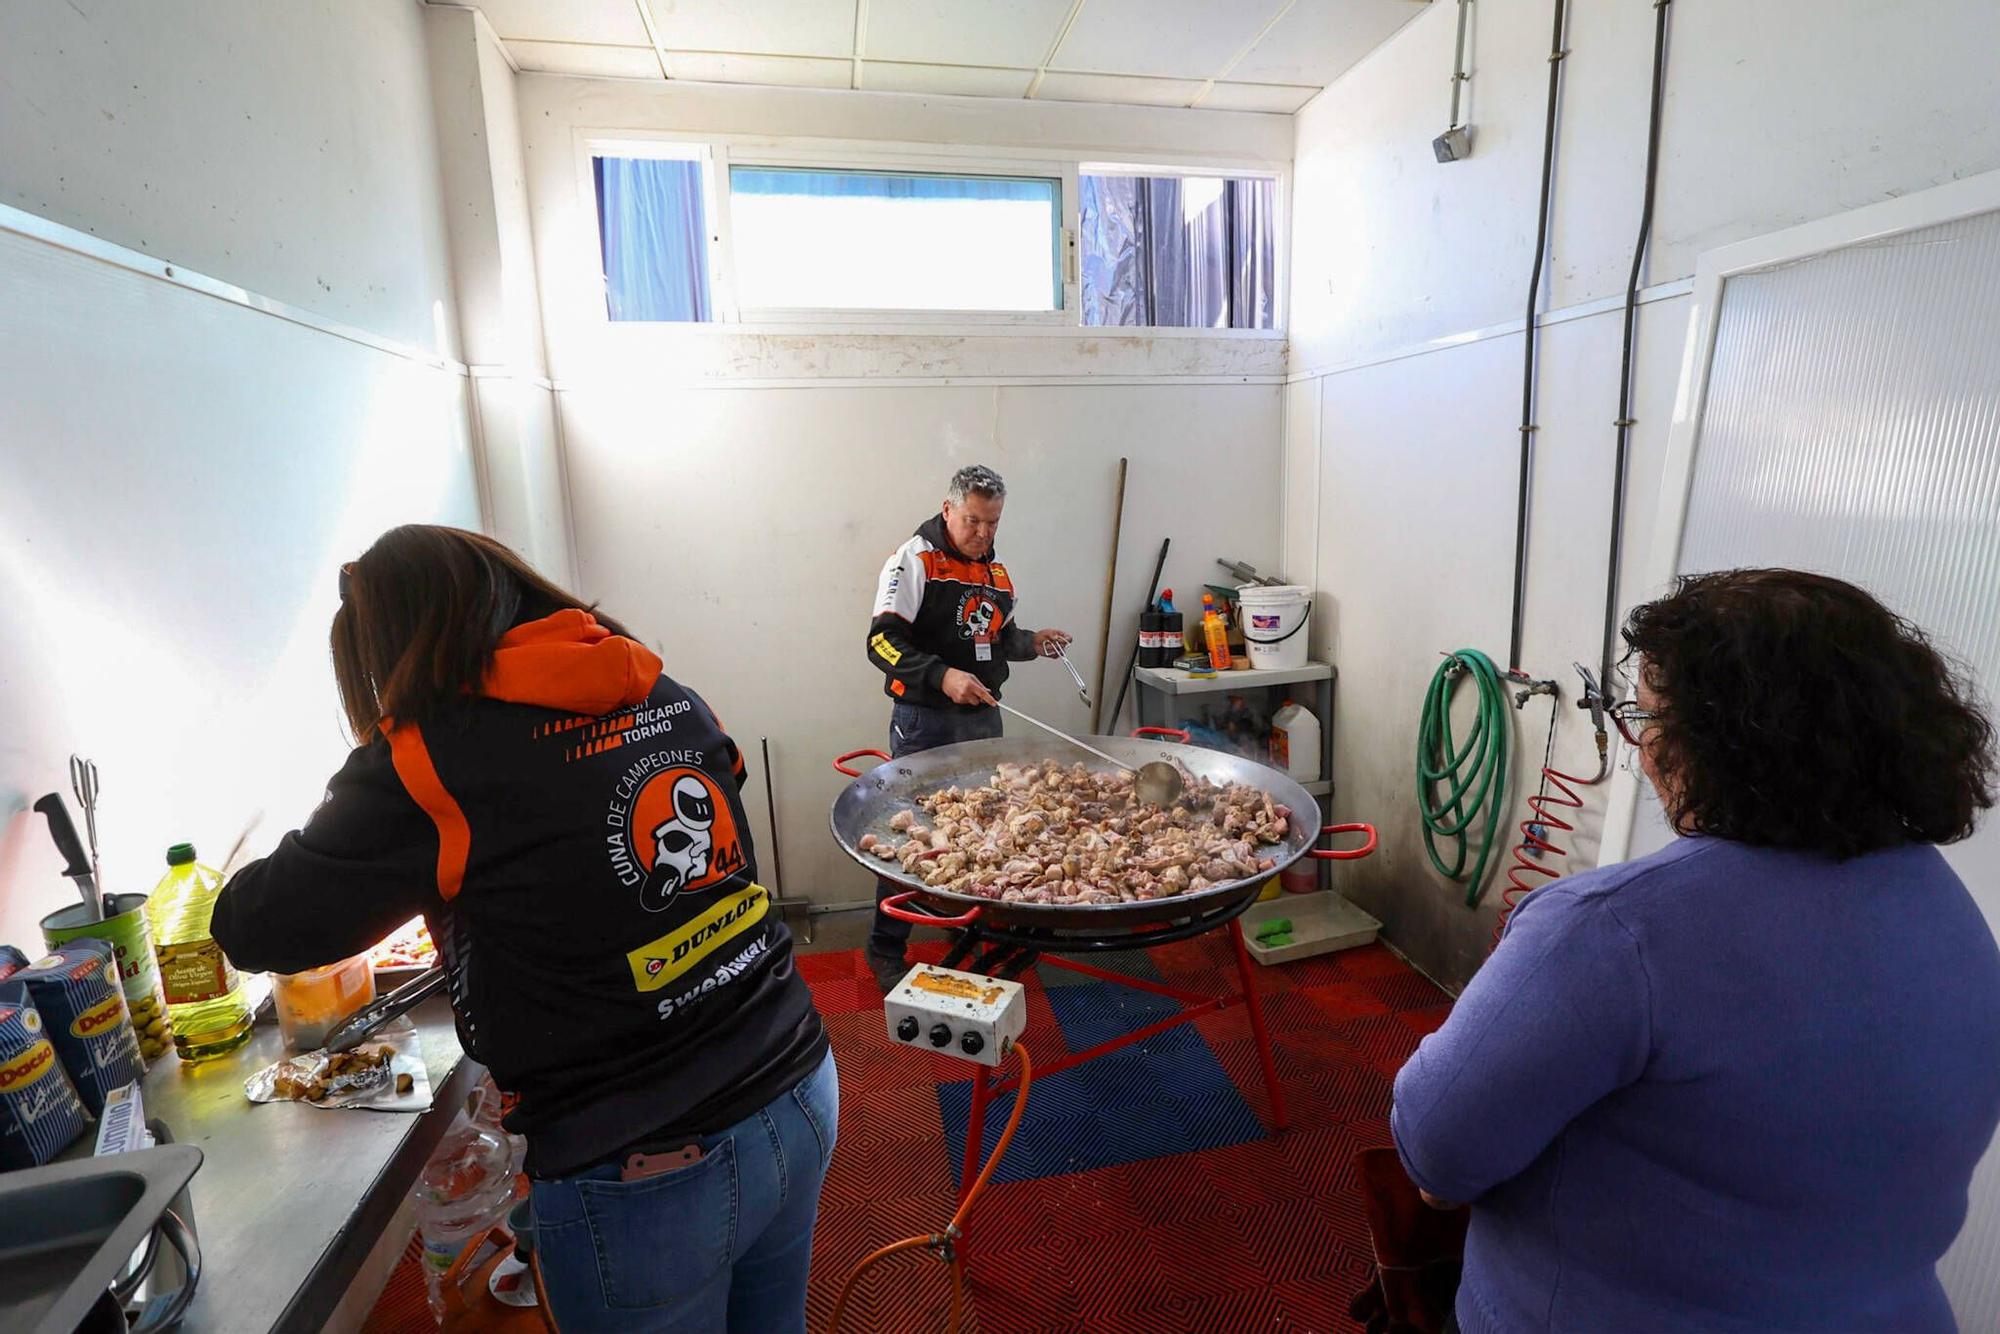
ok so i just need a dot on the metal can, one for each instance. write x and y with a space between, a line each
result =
40 1114
131 941
83 1012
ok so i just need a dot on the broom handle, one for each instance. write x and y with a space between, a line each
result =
1110 586
1153 591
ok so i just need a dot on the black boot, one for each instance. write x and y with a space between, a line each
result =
889 969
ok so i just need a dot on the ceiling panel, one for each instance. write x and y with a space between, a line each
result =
965 32
964 80
600 62
1185 38
1285 97
1144 52
779 71
788 27
605 22
1061 87
1317 40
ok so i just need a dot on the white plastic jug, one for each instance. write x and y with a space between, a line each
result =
1295 741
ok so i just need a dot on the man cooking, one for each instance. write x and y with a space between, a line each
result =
942 636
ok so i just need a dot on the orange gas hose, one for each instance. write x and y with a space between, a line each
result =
941 1241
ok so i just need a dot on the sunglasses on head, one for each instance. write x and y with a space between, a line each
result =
346 573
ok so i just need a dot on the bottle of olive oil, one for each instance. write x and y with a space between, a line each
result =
205 1001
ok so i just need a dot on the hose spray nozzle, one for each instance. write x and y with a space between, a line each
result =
1593 701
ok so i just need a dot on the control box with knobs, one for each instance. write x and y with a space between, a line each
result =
956 1014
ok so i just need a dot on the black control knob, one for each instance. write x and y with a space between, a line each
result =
940 1035
972 1044
907 1029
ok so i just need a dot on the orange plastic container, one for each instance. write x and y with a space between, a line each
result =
1216 634
309 1004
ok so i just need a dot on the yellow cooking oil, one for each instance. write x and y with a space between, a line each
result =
205 1001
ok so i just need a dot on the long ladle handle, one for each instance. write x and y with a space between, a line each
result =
1067 737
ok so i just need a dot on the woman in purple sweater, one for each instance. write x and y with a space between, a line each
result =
1741 1084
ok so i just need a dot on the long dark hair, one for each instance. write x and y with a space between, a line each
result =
1796 711
420 614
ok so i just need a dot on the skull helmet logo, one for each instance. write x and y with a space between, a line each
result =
979 616
682 844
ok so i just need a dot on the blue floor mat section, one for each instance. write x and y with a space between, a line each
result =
1164 1096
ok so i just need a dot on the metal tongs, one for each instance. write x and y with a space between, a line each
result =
1082 690
1155 782
354 1030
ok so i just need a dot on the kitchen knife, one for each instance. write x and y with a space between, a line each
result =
352 1031
71 848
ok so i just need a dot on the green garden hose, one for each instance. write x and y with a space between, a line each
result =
1457 782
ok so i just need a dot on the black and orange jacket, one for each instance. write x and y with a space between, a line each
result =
934 607
578 845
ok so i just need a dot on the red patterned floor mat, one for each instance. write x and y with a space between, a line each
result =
1264 1235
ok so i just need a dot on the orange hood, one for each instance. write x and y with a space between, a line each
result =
568 661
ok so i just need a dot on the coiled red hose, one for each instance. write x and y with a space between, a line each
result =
1519 883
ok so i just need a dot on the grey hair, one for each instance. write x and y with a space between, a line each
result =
976 479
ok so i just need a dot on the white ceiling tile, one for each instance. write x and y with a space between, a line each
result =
781 27
1062 87
1285 97
605 22
601 62
1179 38
778 71
962 80
965 32
1318 40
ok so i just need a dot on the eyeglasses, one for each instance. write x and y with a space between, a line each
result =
1631 721
346 571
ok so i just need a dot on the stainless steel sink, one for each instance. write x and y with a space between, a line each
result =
68 1231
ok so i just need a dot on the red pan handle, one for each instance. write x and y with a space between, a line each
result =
841 763
893 907
1345 854
1174 732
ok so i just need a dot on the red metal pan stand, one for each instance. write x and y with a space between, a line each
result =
1007 951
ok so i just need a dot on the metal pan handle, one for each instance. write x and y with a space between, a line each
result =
841 763
893 907
1174 732
1344 854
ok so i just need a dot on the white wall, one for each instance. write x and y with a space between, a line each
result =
1776 113
735 493
182 468
288 149
499 297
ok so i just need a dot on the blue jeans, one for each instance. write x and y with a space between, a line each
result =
722 1245
912 728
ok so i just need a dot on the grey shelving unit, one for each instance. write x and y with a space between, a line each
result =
1162 696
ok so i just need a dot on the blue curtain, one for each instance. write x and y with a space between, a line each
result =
1145 263
649 228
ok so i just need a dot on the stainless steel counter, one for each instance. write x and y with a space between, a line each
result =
290 1199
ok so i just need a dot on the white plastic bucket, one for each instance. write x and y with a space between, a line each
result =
1274 623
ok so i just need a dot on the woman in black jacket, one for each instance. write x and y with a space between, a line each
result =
567 820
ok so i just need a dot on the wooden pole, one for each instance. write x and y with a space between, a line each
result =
1110 586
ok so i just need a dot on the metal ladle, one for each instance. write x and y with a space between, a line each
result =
1156 782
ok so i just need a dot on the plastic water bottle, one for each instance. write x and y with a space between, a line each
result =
466 1188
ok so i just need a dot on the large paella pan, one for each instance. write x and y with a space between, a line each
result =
870 804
